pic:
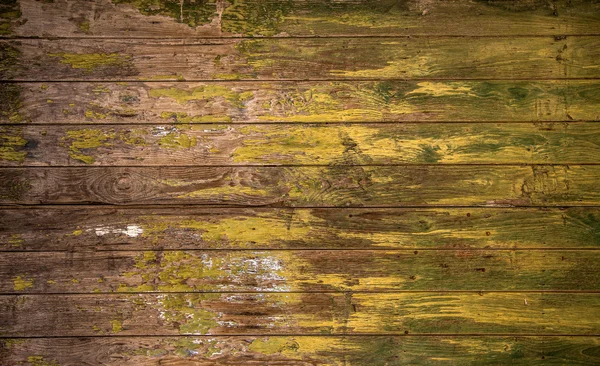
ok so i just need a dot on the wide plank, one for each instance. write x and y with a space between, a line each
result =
314 102
300 313
303 350
305 271
218 18
231 145
332 186
76 229
302 59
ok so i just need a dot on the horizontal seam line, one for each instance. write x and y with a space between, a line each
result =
225 335
288 80
301 124
272 206
302 37
331 165
153 293
388 249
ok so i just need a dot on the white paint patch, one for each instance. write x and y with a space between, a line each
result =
131 231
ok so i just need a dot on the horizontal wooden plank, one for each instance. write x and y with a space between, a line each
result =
421 143
296 313
316 102
304 350
97 229
306 270
302 59
168 18
339 186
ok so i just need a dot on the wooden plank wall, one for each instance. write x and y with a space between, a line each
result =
299 182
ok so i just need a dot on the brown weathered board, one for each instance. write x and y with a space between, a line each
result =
520 313
313 102
304 18
158 145
76 229
306 271
305 350
299 182
331 186
302 59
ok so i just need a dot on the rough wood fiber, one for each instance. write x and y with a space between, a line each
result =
169 18
303 59
315 102
306 271
165 96
76 229
332 186
305 350
300 313
159 145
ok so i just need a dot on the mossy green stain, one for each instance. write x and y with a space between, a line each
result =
87 139
203 93
429 154
177 140
255 18
191 12
9 12
9 57
11 145
273 345
186 312
21 283
117 326
41 361
92 61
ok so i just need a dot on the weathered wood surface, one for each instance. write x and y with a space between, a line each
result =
303 350
169 18
333 186
380 144
77 229
316 102
302 59
300 313
299 271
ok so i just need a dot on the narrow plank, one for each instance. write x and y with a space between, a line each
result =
97 229
314 102
103 18
160 145
304 350
332 186
296 313
302 59
305 271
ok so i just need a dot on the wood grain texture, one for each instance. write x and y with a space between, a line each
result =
304 350
379 144
295 313
316 102
77 229
333 186
167 18
301 271
303 59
